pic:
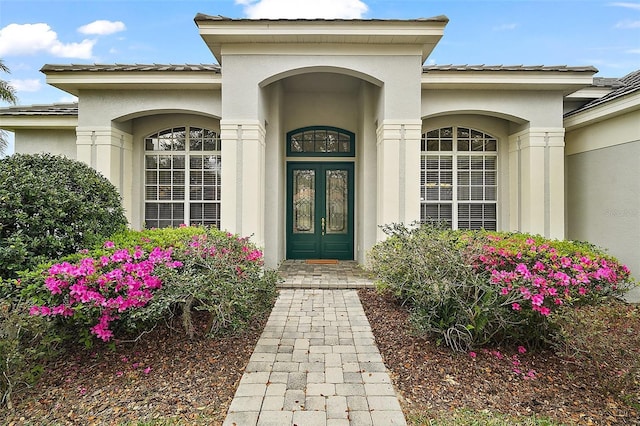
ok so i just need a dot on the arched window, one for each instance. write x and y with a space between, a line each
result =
182 177
458 179
321 141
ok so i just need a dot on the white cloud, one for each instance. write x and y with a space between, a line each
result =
306 9
505 27
634 51
102 27
30 85
628 24
627 5
31 39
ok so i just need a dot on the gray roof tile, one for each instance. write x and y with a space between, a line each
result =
626 85
131 67
200 17
482 67
67 109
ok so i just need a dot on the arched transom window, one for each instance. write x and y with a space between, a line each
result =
458 179
182 177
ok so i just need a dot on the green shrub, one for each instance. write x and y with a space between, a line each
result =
25 341
223 275
428 272
51 206
474 287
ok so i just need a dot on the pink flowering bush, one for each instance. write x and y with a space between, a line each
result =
541 275
475 288
137 279
99 290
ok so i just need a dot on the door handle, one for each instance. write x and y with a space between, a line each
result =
322 226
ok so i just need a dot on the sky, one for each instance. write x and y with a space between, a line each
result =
605 34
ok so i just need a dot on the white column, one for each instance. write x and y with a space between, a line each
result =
536 165
109 151
398 144
243 178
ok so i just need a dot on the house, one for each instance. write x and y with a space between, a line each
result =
310 134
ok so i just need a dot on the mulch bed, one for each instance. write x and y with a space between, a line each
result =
164 375
167 376
433 379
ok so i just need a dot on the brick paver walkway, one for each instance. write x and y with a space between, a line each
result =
316 363
344 274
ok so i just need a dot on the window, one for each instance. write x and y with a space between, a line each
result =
458 178
322 141
182 178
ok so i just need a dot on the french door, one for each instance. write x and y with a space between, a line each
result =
320 210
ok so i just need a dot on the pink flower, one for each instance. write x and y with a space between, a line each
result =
472 354
522 349
119 373
545 311
35 310
537 299
109 244
147 370
515 306
504 291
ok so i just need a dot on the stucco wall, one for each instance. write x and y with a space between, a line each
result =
101 107
538 109
603 200
244 73
613 131
58 142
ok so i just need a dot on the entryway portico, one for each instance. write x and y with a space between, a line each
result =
363 78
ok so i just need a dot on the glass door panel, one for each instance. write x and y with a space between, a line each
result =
337 205
304 182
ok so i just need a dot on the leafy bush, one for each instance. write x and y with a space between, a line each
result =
51 206
137 279
607 339
223 275
24 342
474 288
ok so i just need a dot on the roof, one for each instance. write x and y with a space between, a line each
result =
624 86
131 67
66 109
607 82
555 68
201 17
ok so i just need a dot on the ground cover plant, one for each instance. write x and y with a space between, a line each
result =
51 206
127 286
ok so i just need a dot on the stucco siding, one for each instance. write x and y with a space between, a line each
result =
539 109
603 200
618 130
57 142
101 107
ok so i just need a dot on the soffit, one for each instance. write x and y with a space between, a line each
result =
73 78
218 31
560 78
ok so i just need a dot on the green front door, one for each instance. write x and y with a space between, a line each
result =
320 210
